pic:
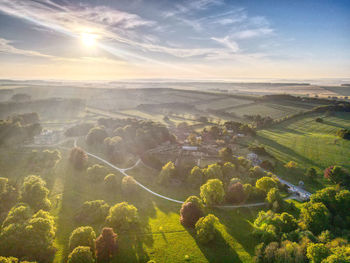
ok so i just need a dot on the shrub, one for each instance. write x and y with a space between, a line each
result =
122 216
344 134
35 193
320 120
112 182
82 236
93 212
235 193
129 185
81 255
212 192
266 183
189 214
78 158
96 173
291 165
106 245
205 228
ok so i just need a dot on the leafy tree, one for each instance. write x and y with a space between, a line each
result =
96 135
189 214
93 212
83 236
18 215
35 193
213 171
196 201
266 183
337 175
129 185
8 196
229 170
205 228
274 197
235 193
78 158
311 173
96 173
122 216
256 172
291 165
212 192
267 165
225 154
106 245
196 176
344 134
167 172
8 260
81 254
315 217
316 253
112 182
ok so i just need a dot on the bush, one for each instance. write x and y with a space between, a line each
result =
129 185
291 165
320 120
96 173
112 182
189 214
106 245
78 158
81 255
83 236
35 193
122 216
235 193
212 192
205 228
266 183
344 134
93 212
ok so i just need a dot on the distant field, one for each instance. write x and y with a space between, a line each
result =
342 91
309 143
222 103
273 109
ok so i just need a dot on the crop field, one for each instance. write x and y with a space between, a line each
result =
222 103
309 143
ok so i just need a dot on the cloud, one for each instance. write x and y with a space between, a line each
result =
250 33
7 48
232 45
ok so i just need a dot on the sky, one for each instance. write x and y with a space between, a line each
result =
184 39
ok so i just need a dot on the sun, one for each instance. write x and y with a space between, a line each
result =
88 39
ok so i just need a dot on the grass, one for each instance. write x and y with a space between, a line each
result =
309 143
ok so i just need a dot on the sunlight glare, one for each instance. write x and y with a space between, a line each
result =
88 39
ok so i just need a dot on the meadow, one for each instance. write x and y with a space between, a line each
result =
309 144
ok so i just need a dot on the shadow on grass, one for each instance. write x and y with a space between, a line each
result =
217 250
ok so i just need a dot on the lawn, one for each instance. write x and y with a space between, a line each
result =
160 236
309 143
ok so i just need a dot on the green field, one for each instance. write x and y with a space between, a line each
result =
309 143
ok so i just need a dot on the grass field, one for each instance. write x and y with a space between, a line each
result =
309 143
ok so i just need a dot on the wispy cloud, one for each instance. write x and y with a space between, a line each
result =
232 45
6 47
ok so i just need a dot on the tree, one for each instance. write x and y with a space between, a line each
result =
196 176
315 217
78 158
83 236
311 173
18 214
8 196
129 185
344 134
81 254
337 175
106 245
196 201
96 135
189 214
291 165
93 212
229 170
267 165
122 216
167 172
235 193
21 97
111 182
225 154
316 253
212 192
96 173
205 228
274 197
266 183
35 193
256 172
213 171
